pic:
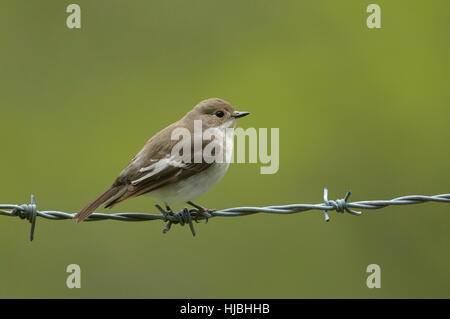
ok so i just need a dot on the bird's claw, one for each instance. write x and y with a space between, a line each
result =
165 212
205 213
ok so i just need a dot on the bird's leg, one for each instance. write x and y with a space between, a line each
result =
168 209
167 212
202 211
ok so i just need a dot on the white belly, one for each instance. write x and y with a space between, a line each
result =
191 187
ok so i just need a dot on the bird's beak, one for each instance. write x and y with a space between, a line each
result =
237 114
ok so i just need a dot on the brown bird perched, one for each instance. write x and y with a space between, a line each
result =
171 178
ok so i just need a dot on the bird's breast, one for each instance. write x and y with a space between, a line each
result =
189 188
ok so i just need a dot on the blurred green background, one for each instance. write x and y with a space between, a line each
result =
360 109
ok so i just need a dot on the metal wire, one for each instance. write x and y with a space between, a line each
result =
187 216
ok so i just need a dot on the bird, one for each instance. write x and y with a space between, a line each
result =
155 170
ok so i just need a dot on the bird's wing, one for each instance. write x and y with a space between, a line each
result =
156 175
151 168
155 166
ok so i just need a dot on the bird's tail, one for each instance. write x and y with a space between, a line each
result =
106 196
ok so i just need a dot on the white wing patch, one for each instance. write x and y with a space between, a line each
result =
158 167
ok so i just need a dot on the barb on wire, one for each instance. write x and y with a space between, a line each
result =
187 216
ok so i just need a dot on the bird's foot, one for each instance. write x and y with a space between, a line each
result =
167 212
183 217
202 212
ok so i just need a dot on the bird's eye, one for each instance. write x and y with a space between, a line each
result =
219 114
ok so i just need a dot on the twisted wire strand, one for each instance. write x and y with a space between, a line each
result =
188 216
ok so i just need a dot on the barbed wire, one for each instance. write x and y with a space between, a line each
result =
188 216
